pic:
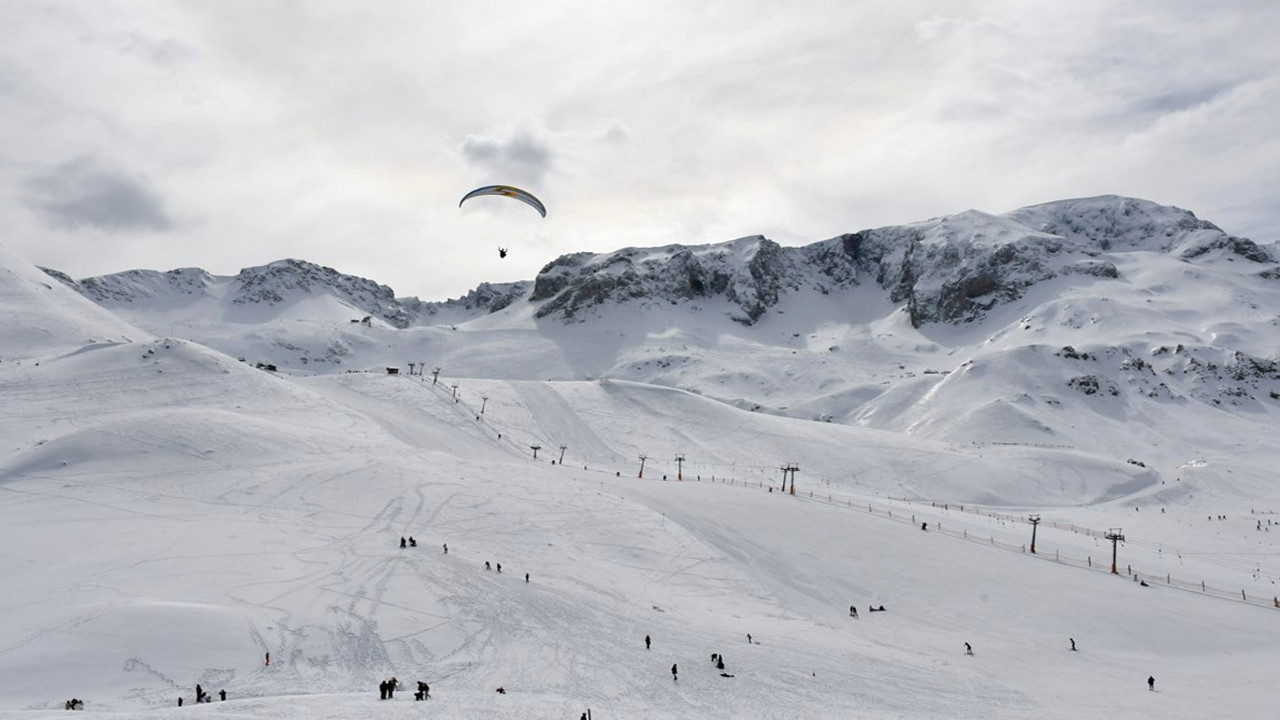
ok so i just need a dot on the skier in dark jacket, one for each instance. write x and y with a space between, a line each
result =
1151 682
646 642
673 672
403 543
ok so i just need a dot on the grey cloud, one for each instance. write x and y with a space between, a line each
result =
86 192
521 157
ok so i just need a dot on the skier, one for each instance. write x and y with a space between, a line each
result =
748 638
222 695
268 659
412 542
924 526
526 577
403 543
486 565
646 642
677 677
1073 643
499 567
853 611
719 662
382 690
179 702
199 693
968 649
446 548
1151 683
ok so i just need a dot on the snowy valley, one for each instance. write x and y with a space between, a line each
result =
171 509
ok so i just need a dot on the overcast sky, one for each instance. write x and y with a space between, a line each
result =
137 134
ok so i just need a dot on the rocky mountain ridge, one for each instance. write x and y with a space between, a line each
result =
951 269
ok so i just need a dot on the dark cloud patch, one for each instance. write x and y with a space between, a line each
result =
519 158
1182 99
86 192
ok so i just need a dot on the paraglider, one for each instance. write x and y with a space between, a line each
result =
515 193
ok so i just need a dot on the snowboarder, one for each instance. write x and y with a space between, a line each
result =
501 690
1151 683
853 611
1073 643
968 649
403 543
412 542
222 695
646 642
677 677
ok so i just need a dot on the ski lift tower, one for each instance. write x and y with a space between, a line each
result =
1115 535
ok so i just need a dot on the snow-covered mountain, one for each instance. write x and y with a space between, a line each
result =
171 513
1057 323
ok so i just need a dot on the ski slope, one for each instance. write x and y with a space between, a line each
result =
170 515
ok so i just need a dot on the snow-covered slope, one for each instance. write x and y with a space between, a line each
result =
170 513
42 317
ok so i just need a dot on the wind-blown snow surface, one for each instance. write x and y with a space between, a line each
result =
169 514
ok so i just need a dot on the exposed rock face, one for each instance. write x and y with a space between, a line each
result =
954 269
750 273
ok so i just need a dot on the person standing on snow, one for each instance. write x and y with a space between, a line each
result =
1151 683
646 642
677 677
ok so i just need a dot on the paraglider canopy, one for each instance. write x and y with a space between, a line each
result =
516 193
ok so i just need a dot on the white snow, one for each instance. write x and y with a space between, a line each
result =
168 514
